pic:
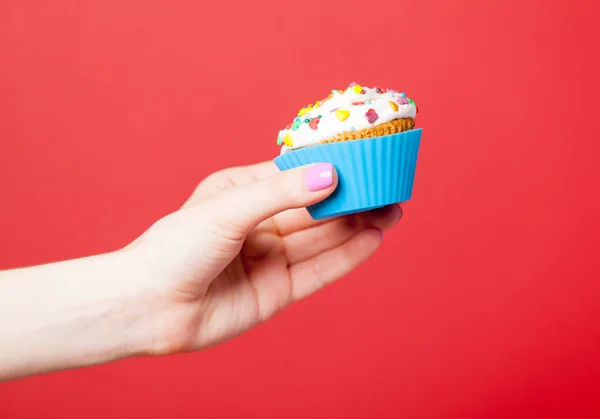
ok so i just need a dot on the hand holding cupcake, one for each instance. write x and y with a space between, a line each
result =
368 135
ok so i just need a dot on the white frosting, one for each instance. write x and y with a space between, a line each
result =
376 103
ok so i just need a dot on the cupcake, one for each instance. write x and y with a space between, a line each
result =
369 135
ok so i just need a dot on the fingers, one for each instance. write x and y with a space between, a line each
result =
295 220
305 244
241 209
384 218
228 179
323 269
289 222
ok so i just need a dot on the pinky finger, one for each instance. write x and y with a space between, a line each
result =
313 274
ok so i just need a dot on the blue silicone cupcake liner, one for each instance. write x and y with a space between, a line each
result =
372 172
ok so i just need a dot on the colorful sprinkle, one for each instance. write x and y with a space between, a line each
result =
308 114
342 114
305 110
371 116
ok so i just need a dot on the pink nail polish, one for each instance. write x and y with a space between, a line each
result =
319 177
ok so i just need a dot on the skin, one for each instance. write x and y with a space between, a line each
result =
241 249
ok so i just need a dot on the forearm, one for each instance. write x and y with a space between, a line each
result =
69 314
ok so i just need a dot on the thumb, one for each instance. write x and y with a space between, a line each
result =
241 209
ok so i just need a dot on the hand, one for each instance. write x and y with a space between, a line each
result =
242 248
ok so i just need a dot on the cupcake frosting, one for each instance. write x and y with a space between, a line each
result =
353 109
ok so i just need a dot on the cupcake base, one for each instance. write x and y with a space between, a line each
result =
393 127
372 172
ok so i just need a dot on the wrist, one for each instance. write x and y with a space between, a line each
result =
135 304
154 323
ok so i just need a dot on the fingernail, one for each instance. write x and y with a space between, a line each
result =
319 177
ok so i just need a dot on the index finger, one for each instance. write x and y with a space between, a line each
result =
230 178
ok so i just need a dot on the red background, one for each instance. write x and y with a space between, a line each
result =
483 302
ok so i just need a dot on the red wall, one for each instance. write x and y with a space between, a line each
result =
483 302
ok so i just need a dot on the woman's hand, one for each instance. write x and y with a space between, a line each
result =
243 248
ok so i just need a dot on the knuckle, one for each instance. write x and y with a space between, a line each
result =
222 180
277 191
319 241
224 224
